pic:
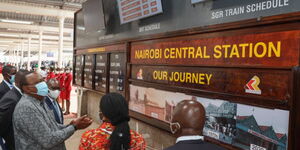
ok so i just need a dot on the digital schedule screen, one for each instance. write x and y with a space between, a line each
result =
130 10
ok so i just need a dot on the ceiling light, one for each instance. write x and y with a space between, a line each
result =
16 21
6 41
15 30
81 28
9 35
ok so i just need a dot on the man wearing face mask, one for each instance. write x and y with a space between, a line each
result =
7 106
187 125
8 73
51 100
34 126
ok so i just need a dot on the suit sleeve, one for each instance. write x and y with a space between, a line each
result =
6 111
33 125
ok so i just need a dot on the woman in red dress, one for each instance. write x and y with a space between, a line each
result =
114 133
68 89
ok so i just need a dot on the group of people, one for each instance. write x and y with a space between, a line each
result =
32 119
64 76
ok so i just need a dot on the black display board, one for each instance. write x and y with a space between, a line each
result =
117 73
78 70
88 71
101 72
178 15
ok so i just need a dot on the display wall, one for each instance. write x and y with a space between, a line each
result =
244 68
104 68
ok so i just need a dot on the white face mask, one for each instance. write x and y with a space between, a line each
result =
54 93
173 127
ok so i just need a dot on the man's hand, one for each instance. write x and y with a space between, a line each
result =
82 122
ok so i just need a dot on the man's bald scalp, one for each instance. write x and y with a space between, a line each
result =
190 114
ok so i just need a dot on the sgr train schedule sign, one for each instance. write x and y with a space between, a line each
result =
130 10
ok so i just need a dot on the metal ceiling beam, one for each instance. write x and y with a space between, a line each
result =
33 36
55 3
34 10
33 27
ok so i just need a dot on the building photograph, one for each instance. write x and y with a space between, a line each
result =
254 127
220 119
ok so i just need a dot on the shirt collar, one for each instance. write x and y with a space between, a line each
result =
50 99
191 137
19 90
8 84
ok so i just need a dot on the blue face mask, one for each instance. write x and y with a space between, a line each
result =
42 89
12 79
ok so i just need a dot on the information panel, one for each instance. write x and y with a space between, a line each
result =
259 83
130 10
88 68
100 72
117 72
277 49
78 69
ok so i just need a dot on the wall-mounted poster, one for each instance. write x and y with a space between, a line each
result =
100 72
261 128
243 126
78 69
117 72
88 71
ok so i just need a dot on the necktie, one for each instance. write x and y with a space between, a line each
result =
57 109
2 144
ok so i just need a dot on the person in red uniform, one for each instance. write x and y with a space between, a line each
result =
57 73
51 74
68 89
61 78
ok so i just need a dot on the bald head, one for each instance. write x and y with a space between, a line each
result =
190 114
53 84
28 83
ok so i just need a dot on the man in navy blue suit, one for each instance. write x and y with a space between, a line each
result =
51 100
187 124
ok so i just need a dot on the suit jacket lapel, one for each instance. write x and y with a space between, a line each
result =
19 95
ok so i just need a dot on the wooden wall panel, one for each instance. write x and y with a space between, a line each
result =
278 49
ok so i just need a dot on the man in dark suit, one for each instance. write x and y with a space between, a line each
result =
187 124
7 106
51 100
8 73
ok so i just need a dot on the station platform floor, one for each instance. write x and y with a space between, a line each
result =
73 142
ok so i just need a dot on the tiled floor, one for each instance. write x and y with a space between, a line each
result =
73 142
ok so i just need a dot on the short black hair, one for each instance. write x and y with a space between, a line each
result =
51 69
23 80
19 74
6 69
